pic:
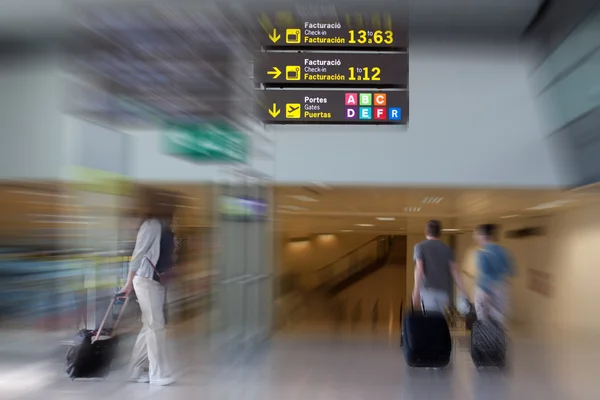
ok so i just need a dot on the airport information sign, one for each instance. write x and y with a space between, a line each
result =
333 65
209 142
333 106
343 29
380 69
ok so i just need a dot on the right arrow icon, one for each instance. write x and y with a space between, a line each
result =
274 111
275 72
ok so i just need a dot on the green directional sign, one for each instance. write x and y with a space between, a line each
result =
208 142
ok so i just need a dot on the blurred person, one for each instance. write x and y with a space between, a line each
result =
435 270
494 266
143 278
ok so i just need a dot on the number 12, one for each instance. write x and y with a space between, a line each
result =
365 75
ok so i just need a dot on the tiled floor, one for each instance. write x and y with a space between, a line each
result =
332 368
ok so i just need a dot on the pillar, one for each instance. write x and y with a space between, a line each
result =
32 139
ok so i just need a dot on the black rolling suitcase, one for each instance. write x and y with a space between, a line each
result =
426 340
93 351
488 344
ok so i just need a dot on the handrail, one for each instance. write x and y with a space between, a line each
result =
401 316
340 312
375 315
356 250
357 313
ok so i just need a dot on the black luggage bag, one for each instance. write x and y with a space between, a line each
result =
426 339
93 352
488 344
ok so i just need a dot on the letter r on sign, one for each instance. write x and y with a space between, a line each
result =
395 113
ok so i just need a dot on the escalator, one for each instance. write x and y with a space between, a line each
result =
336 298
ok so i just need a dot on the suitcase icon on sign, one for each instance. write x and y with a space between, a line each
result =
292 73
292 36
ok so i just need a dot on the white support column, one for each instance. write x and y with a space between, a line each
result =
31 121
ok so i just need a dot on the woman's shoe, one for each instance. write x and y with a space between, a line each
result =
163 382
141 379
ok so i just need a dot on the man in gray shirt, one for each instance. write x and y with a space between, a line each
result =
435 269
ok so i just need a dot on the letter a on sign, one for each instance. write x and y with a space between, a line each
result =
351 99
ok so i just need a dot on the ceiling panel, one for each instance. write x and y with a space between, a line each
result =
313 209
336 209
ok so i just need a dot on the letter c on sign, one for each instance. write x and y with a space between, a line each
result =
380 99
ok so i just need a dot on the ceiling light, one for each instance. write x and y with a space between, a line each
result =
299 239
552 204
32 193
386 218
509 216
412 209
322 185
177 196
451 230
303 198
346 230
293 208
364 224
432 200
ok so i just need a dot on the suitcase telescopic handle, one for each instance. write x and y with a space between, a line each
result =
412 306
110 306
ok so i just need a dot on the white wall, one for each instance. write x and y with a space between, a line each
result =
473 121
32 144
91 145
571 253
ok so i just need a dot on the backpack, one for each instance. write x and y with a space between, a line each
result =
164 268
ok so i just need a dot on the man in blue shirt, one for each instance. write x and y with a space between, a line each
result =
494 266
